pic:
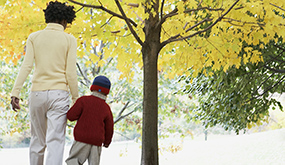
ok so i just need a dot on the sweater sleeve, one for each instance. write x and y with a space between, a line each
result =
71 75
109 128
75 111
25 69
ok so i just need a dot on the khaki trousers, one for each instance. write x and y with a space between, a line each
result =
79 152
48 122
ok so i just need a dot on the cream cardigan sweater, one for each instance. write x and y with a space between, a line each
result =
54 53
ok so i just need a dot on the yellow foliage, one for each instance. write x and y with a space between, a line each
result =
87 63
218 50
255 56
101 62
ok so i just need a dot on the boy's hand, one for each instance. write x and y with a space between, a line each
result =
15 103
105 145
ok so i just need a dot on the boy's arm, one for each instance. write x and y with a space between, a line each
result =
75 111
109 129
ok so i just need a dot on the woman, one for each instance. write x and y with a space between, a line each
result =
54 54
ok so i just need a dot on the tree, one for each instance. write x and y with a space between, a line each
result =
172 35
17 123
241 97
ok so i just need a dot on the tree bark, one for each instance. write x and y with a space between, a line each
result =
150 111
150 50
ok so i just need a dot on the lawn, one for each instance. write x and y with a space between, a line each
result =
265 148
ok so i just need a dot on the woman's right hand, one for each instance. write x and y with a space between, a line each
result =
15 103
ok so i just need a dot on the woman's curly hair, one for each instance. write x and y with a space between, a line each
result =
57 12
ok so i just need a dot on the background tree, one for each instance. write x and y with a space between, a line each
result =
125 99
17 123
241 97
169 35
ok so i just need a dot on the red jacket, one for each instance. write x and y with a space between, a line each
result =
94 121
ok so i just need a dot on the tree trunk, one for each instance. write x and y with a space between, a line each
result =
150 111
150 51
150 101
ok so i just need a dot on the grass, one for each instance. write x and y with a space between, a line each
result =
265 148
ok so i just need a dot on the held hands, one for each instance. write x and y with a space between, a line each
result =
15 103
105 145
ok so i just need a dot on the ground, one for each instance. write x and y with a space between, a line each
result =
265 148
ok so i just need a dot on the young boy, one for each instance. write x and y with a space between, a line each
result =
94 125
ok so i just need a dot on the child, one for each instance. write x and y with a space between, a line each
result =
94 125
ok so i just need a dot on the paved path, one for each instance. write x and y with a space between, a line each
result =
267 148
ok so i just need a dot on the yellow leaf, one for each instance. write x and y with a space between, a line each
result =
121 77
15 61
2 2
249 126
101 62
87 63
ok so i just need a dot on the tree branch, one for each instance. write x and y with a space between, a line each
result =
117 95
215 47
120 116
280 47
161 9
197 24
163 19
230 20
203 8
106 22
83 83
128 23
275 70
172 39
190 28
123 109
104 9
267 90
83 75
260 86
277 59
175 12
277 6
